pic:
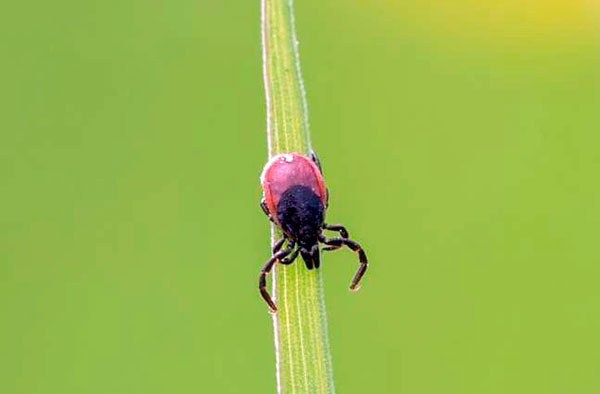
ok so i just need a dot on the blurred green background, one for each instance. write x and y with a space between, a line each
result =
460 141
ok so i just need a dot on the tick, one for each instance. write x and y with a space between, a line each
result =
295 199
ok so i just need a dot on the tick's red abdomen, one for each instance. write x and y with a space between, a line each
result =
290 169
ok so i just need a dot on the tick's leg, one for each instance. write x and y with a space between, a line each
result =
262 279
263 205
354 246
290 259
337 227
315 158
278 245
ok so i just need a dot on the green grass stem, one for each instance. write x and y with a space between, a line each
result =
301 342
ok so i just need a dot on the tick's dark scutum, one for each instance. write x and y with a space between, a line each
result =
300 213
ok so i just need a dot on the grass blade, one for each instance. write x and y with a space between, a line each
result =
301 341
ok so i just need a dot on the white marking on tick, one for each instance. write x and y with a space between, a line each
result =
288 158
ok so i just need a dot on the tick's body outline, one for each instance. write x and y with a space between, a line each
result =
295 199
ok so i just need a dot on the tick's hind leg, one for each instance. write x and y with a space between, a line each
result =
335 243
262 279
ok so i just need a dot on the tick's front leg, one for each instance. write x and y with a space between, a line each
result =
336 243
262 279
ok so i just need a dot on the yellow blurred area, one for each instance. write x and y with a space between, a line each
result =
543 22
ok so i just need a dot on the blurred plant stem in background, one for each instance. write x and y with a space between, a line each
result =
301 342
